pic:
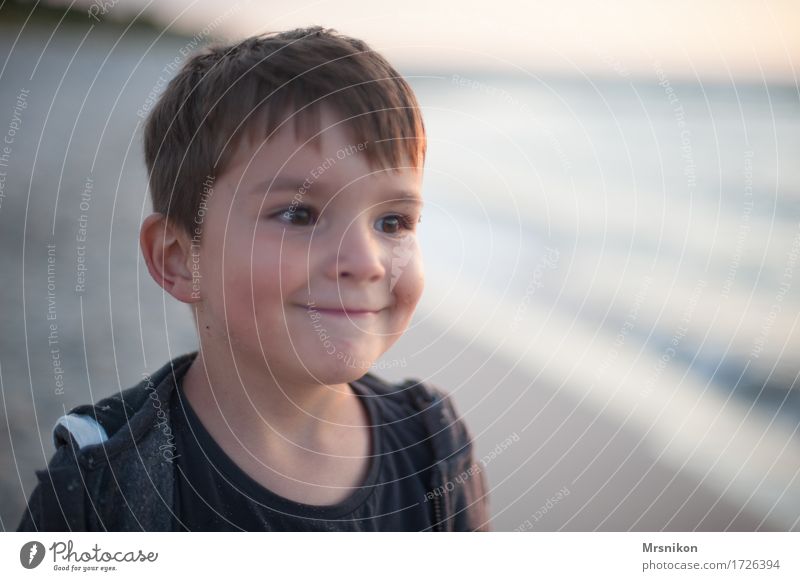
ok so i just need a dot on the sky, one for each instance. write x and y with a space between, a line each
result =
739 39
708 38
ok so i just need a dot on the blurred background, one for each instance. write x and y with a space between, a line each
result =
611 235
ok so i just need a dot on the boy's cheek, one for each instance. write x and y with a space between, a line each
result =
408 281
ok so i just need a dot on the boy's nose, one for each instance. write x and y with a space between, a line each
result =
357 255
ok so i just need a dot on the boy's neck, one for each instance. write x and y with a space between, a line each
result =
294 440
258 410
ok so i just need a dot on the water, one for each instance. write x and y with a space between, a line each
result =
627 181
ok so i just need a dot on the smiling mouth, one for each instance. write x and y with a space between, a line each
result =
344 312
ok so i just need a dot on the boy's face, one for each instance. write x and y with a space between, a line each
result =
281 261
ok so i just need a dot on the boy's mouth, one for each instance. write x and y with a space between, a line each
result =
344 312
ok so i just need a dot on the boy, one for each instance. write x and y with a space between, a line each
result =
285 172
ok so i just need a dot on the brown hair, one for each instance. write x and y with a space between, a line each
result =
222 90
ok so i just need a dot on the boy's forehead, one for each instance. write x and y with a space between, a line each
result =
334 161
310 157
330 178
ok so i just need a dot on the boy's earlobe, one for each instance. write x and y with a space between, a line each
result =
166 252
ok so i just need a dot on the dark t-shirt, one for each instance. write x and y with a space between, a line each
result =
214 494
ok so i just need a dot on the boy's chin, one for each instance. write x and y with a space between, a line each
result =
335 370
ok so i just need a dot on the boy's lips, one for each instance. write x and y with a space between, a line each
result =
344 311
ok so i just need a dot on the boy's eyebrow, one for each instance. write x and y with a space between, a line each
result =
281 183
292 184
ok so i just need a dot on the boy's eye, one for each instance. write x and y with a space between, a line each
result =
299 216
305 216
396 222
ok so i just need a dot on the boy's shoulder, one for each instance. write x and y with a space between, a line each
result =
109 471
123 418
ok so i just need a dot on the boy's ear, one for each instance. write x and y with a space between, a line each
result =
167 252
